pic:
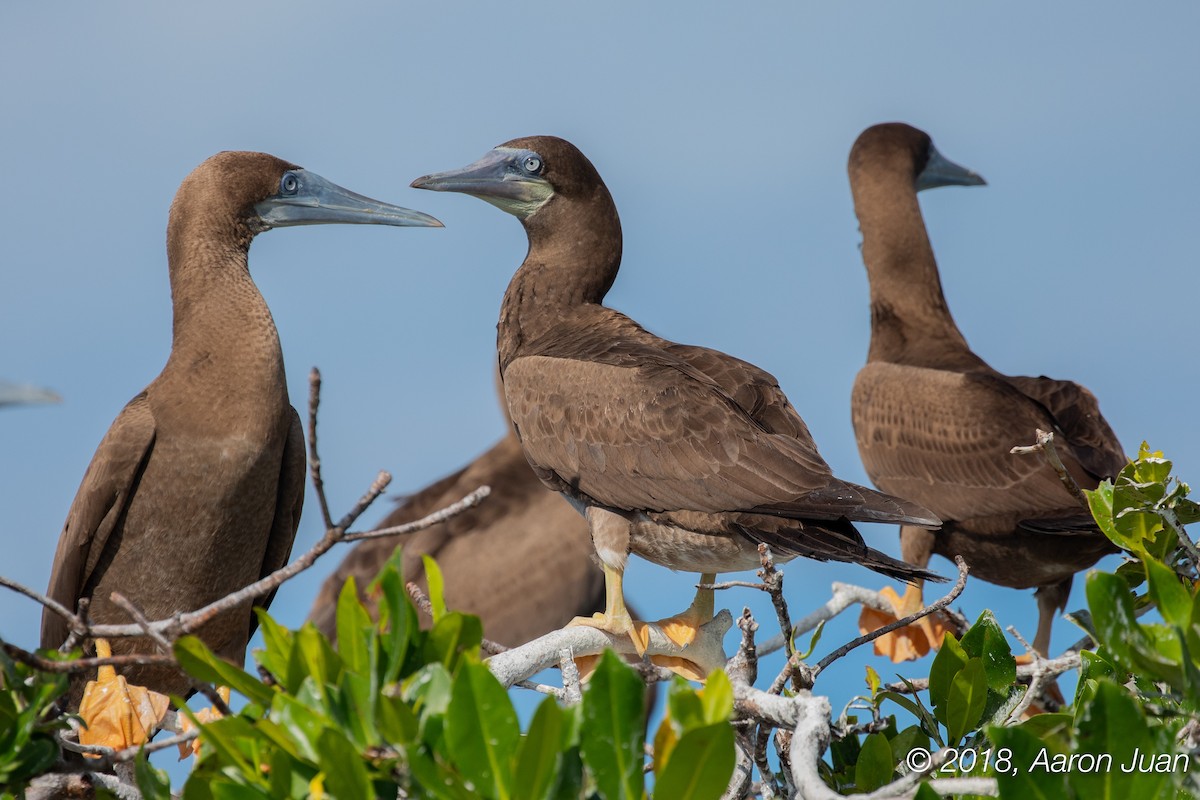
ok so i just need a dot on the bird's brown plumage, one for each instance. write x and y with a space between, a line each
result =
935 423
701 452
521 560
196 489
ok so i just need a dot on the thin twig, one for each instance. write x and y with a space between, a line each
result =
932 608
73 621
84 664
314 460
441 515
1045 446
1036 681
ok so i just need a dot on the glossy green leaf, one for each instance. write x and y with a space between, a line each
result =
1113 729
345 774
684 706
278 640
985 640
396 720
717 697
950 659
154 784
612 731
353 623
437 587
398 619
541 753
1016 774
875 766
1112 613
200 662
700 766
1173 599
452 636
967 698
481 730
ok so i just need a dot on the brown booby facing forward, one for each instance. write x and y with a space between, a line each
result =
683 455
935 423
196 489
522 561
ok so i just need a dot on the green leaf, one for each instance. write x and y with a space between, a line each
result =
452 636
152 783
397 722
685 709
437 587
398 618
345 774
700 766
985 640
200 662
1169 594
949 660
1112 613
353 623
278 640
875 766
1017 752
1100 501
967 698
482 731
813 641
541 752
717 697
612 732
1113 729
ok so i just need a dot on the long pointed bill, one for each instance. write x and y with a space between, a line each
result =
496 178
941 171
317 201
12 394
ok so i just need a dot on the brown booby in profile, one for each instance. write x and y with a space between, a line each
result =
196 489
683 455
522 561
935 423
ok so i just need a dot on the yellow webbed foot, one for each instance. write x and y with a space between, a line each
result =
203 715
116 714
911 642
619 624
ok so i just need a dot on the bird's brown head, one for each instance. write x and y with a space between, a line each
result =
895 149
240 194
524 176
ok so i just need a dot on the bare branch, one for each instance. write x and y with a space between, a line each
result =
73 620
572 683
421 600
441 515
1045 446
314 460
949 598
55 785
84 664
845 596
519 663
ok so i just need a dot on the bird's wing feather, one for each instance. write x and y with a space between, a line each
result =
289 502
98 508
1088 439
943 438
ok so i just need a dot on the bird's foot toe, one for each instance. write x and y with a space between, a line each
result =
202 716
118 715
908 643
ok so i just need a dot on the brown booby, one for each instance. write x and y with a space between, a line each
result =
522 561
935 423
683 455
196 489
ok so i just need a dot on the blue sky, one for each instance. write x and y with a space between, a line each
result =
722 131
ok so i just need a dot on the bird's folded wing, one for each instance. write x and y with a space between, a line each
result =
943 439
1088 438
289 502
98 508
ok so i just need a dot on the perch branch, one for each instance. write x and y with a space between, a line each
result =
314 460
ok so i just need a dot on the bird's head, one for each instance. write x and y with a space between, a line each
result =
894 147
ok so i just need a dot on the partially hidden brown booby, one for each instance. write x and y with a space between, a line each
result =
935 423
683 455
196 489
522 561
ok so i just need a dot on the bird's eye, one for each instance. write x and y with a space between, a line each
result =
533 165
290 183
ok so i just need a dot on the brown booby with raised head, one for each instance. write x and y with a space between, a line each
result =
196 489
683 455
935 423
521 562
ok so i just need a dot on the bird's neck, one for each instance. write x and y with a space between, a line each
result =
574 255
910 321
224 338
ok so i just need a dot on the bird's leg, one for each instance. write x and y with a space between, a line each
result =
116 714
615 618
924 635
